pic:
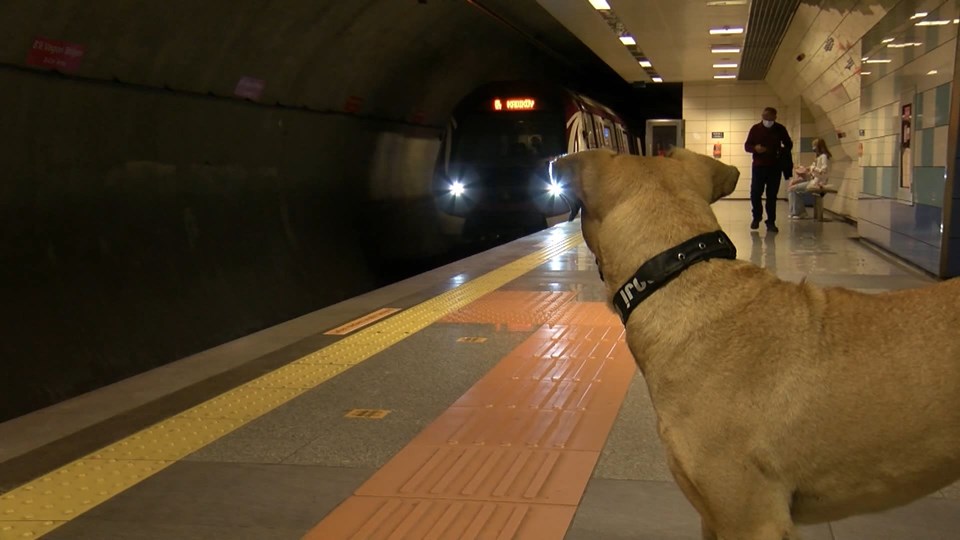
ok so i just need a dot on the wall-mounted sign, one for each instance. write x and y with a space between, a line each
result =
54 54
716 134
717 152
250 88
514 104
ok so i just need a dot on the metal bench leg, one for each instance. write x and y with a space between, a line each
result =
818 207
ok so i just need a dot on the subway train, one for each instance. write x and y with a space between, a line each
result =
492 179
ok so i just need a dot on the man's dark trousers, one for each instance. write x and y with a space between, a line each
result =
765 178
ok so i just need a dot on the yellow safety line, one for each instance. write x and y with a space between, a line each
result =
54 499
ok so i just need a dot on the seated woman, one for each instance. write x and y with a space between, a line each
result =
809 178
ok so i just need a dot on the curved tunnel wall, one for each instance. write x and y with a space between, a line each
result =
855 106
148 213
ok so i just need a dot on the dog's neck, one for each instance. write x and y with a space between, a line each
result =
666 266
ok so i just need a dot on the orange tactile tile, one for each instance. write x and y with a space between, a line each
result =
590 313
508 427
512 457
513 307
377 518
483 473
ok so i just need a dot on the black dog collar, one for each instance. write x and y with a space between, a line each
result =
659 270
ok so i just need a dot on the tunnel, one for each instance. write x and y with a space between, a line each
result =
184 181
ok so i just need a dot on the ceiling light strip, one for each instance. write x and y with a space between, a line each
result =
616 25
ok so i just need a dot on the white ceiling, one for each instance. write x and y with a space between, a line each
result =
673 34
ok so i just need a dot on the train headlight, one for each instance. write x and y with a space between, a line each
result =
456 188
555 189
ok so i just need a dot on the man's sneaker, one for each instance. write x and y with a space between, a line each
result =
755 224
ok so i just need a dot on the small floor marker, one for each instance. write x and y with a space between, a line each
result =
374 414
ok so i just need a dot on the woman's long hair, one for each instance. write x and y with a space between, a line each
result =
820 147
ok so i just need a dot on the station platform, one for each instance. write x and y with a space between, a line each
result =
491 398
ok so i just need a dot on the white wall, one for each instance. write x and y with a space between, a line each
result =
730 107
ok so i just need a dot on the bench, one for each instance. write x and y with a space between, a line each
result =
819 193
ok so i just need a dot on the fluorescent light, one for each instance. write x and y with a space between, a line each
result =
932 23
724 65
656 79
879 61
726 30
888 40
902 45
726 2
724 76
725 49
956 21
864 59
919 15
932 72
599 4
627 40
866 72
645 63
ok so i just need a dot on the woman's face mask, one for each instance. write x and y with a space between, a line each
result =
768 123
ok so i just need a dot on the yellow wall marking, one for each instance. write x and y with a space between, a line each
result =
48 502
356 324
374 414
471 339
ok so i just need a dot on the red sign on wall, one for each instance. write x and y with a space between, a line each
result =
250 88
54 54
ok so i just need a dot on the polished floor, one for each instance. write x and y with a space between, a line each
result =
490 398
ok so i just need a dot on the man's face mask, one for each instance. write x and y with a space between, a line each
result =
768 123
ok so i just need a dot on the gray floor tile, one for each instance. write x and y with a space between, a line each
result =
637 510
952 491
926 519
210 496
94 529
633 450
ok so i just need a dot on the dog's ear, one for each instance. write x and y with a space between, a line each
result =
708 176
573 173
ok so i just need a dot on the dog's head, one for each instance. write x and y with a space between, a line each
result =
634 207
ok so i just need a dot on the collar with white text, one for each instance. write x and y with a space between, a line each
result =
661 269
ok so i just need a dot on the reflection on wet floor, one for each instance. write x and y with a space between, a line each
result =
826 253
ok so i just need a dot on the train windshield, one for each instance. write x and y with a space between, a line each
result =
509 138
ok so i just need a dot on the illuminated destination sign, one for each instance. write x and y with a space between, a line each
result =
514 104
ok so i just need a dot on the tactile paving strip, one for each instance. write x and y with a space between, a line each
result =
523 440
513 308
123 464
72 490
484 473
388 519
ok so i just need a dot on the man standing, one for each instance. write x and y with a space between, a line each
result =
769 142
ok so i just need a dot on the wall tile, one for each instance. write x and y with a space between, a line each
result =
928 185
923 147
889 181
940 136
942 111
719 103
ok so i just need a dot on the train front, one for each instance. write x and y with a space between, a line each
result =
494 177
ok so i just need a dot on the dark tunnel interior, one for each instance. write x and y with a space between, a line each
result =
150 212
